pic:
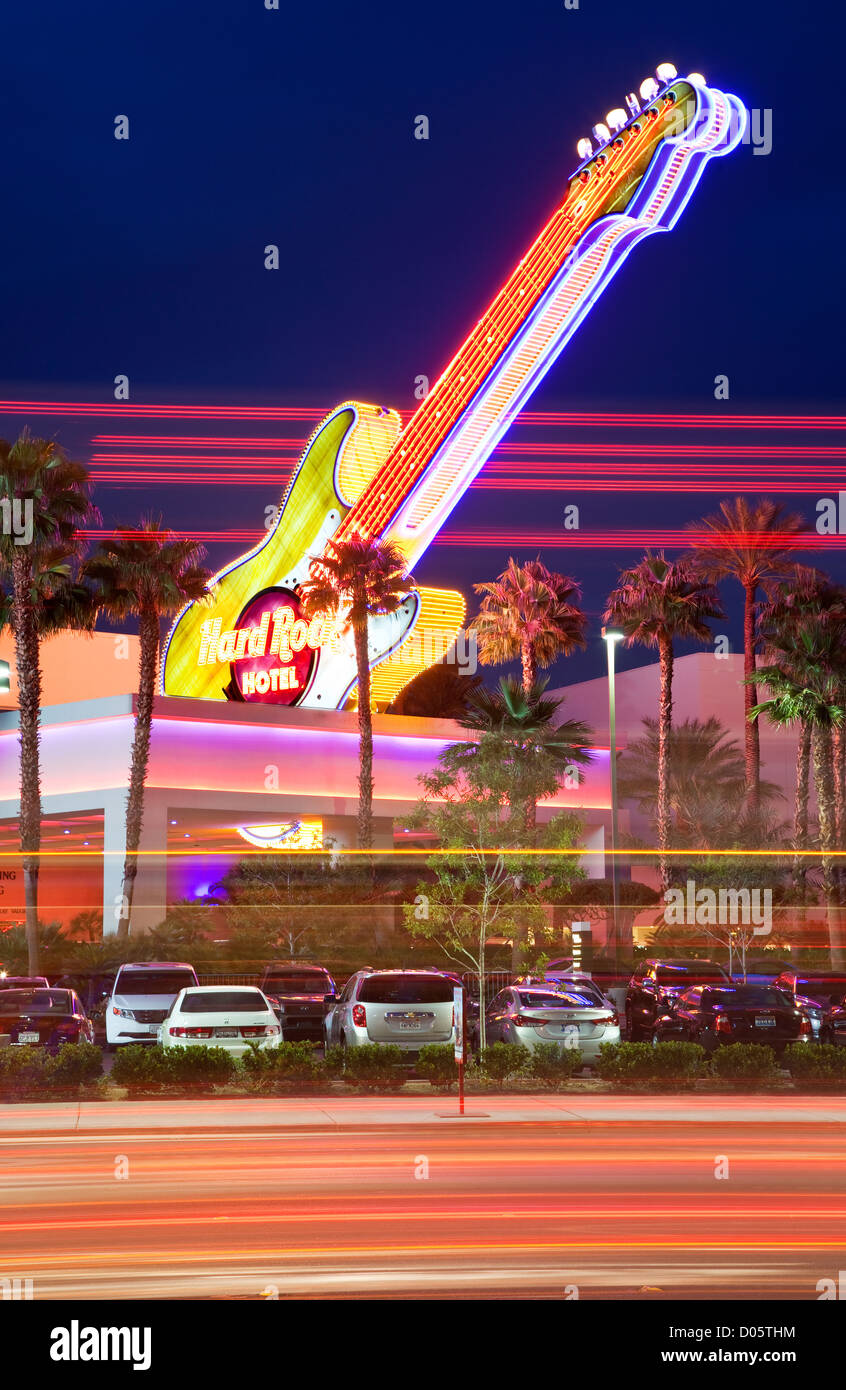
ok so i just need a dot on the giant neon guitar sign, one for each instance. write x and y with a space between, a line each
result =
361 473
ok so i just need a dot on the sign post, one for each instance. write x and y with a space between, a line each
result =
458 1021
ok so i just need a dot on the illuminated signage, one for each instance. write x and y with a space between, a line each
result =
306 833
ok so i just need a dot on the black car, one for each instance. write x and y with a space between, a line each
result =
715 1014
833 1022
94 990
44 1018
656 984
301 995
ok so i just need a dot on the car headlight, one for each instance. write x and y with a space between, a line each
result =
123 1013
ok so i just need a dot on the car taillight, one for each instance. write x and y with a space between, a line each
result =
190 1032
611 1020
259 1030
523 1021
722 1023
805 1029
359 1017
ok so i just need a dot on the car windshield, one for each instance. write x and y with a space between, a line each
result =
23 982
154 981
42 1001
235 1001
751 996
304 982
585 987
685 975
562 999
828 987
406 989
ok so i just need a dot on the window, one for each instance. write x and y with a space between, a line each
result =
154 981
234 1001
406 989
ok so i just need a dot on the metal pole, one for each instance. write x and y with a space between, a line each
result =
610 640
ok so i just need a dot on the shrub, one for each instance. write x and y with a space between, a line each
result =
744 1062
628 1064
437 1065
282 1068
139 1067
199 1066
821 1067
504 1059
374 1067
74 1065
22 1071
551 1064
333 1062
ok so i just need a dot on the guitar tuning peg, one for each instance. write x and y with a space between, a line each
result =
648 88
616 119
697 79
665 72
601 133
633 104
584 148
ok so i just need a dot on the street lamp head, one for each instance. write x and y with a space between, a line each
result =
612 634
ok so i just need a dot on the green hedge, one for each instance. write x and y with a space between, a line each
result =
374 1066
503 1060
744 1062
670 1065
34 1073
822 1067
143 1068
437 1065
289 1067
551 1064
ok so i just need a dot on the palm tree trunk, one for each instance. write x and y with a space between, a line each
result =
825 809
752 737
29 702
838 753
530 665
800 809
148 665
365 740
665 726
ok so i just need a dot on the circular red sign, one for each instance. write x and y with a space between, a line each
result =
279 677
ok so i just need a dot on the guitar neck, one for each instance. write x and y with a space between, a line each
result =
604 185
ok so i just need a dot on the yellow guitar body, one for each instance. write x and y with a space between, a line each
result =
341 458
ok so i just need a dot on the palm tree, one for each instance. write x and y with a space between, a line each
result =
442 691
741 550
655 602
525 729
146 573
50 494
807 595
706 779
358 578
529 612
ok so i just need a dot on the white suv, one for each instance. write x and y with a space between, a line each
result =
407 1007
141 998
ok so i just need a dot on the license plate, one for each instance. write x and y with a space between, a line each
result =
409 1025
28 1037
765 1023
226 1032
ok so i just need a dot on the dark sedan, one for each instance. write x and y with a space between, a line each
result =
44 1018
300 996
715 1014
833 1022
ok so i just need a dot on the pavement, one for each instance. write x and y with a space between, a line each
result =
220 1113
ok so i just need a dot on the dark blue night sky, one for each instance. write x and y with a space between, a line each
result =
295 127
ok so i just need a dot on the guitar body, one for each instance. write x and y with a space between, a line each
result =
340 459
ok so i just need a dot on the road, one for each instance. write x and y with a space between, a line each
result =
611 1207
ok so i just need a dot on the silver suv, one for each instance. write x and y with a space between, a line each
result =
406 1007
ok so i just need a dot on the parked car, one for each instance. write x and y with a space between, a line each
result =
655 984
532 1015
230 1016
24 982
715 1014
141 999
814 991
833 1023
572 979
44 1018
301 996
407 1007
94 990
611 984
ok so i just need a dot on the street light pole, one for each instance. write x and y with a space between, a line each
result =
611 637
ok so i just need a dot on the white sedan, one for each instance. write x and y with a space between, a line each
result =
227 1016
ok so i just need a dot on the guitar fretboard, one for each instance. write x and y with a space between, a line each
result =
586 199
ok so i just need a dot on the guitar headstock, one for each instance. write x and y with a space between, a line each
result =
667 110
